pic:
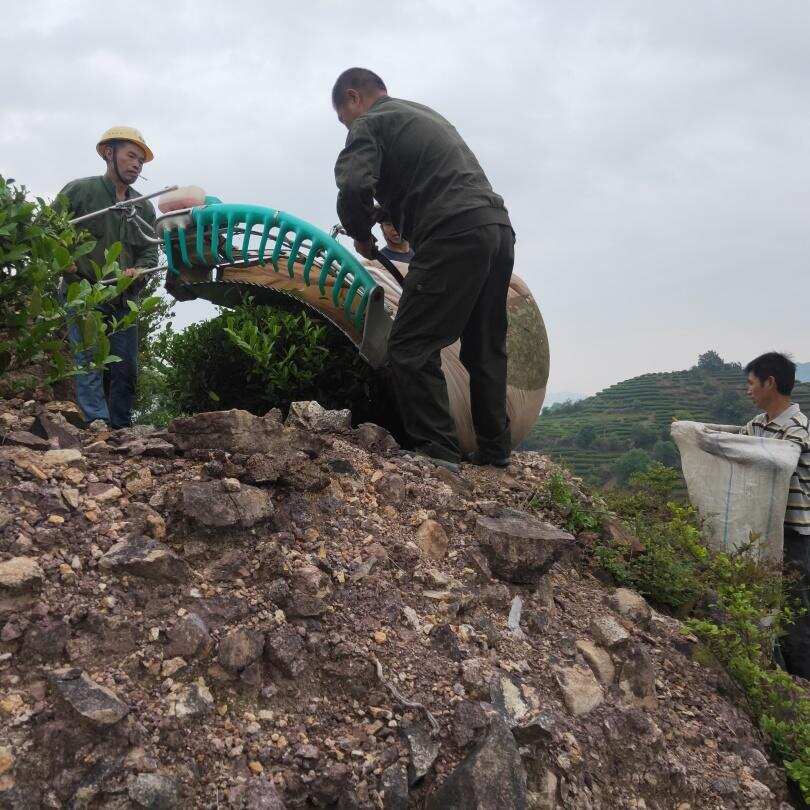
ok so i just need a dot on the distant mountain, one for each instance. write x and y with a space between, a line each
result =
803 372
592 435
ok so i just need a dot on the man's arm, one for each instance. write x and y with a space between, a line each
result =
146 255
357 172
799 435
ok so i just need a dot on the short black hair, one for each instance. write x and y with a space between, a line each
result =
778 366
355 79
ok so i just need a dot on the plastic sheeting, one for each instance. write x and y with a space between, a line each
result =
739 484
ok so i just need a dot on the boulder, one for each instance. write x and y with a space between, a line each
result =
90 700
375 438
491 777
154 791
636 677
210 504
394 784
22 438
234 431
147 558
20 575
519 547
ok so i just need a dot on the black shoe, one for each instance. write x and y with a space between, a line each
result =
481 460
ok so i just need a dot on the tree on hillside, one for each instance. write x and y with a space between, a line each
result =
666 452
710 361
585 436
644 436
632 462
729 408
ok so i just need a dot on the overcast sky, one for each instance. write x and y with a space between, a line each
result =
653 155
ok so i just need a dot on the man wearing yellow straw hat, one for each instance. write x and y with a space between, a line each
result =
124 151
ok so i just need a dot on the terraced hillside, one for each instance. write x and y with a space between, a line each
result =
606 436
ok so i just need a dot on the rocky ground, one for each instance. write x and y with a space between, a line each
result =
239 613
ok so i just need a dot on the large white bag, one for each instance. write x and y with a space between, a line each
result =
739 484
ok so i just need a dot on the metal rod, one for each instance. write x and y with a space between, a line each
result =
122 205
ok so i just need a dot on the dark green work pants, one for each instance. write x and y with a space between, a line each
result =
455 288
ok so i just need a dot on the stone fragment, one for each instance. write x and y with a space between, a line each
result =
581 691
394 784
193 701
147 558
608 632
305 606
519 547
631 605
20 575
375 438
240 648
283 648
469 719
22 438
45 640
103 492
432 539
57 430
393 488
67 410
423 750
154 791
144 520
313 416
506 696
171 666
6 759
490 777
545 797
95 703
234 431
475 675
211 505
261 794
598 660
636 677
188 637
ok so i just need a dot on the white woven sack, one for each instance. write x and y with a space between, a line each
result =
739 484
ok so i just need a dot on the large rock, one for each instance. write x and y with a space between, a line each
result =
235 431
20 575
23 438
491 777
211 504
147 558
240 648
608 632
313 416
598 659
636 677
154 791
519 547
92 701
423 750
394 784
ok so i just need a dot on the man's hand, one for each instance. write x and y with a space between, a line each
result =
70 270
130 272
365 249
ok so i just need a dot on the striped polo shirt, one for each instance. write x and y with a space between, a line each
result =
791 425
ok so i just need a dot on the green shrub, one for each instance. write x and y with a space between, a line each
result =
255 358
37 244
630 463
575 514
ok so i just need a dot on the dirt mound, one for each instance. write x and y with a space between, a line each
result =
242 613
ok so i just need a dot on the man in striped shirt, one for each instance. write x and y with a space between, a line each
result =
771 378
